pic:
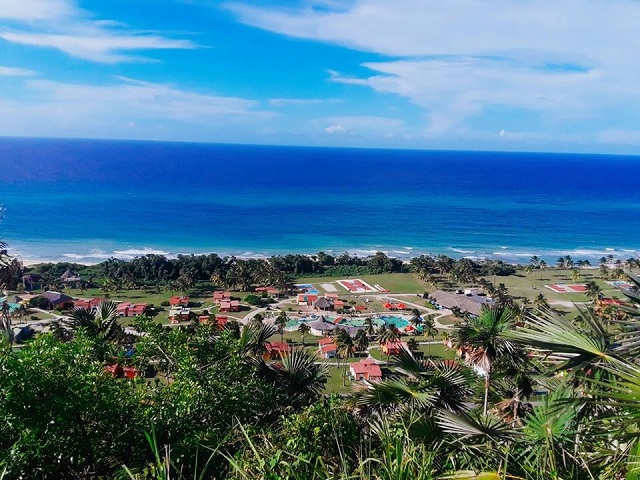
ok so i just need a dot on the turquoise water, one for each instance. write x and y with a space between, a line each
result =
88 200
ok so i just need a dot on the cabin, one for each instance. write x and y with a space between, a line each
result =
179 314
88 304
307 299
57 298
275 350
221 296
366 369
327 348
393 348
128 309
181 301
221 320
230 306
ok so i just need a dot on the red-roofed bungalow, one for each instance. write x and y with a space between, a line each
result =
337 304
221 296
366 369
221 320
611 301
204 318
327 347
275 350
180 301
88 304
360 308
306 298
128 309
393 348
230 306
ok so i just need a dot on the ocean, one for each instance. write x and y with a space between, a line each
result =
88 200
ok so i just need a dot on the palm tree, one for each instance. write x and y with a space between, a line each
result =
482 340
281 323
346 347
100 324
304 329
541 302
593 290
415 320
369 327
300 377
429 329
361 341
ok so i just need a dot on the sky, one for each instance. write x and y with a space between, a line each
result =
518 75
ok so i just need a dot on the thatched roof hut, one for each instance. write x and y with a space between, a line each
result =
70 276
321 326
323 303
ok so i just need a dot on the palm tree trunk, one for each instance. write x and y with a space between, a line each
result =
487 380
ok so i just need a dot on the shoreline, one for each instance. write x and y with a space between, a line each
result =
509 255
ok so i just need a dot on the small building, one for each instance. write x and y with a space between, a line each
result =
88 304
230 306
204 318
393 348
327 348
275 350
182 301
221 296
57 298
323 303
366 369
471 304
307 298
128 309
221 320
321 327
338 304
70 276
31 281
179 314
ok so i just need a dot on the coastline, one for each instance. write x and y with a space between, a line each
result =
90 256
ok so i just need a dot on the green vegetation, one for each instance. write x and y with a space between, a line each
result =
542 389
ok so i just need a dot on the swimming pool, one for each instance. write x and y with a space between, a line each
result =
357 322
399 322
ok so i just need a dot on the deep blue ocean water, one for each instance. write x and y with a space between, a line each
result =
86 200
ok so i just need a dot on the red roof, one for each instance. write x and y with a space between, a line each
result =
367 368
88 304
360 308
179 300
611 301
220 295
329 347
279 347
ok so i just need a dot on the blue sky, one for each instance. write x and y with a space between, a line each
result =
502 74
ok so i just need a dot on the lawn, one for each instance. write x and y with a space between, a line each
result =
334 381
394 282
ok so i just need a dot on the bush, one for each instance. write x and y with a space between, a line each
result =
34 317
40 302
165 303
253 300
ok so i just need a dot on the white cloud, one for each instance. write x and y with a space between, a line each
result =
456 60
30 10
336 129
14 71
61 25
76 109
100 46
625 137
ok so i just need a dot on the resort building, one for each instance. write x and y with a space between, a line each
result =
179 314
321 327
323 303
221 320
57 298
128 309
393 348
471 303
181 301
366 369
88 304
230 306
204 318
327 348
221 296
275 350
70 276
307 298
269 291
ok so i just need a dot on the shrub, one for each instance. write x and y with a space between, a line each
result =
253 299
165 303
